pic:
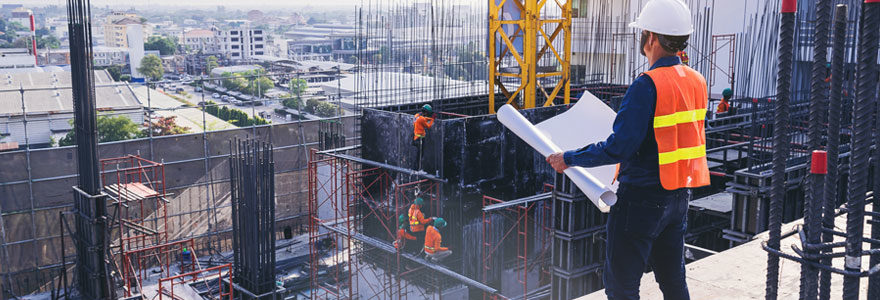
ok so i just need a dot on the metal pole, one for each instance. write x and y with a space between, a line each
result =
867 88
813 189
831 180
863 112
780 140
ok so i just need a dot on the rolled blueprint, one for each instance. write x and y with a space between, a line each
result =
600 194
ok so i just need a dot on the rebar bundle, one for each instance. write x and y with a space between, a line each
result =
251 170
90 204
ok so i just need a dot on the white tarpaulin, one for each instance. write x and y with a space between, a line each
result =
589 121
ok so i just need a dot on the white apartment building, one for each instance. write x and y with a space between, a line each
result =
106 56
202 40
239 42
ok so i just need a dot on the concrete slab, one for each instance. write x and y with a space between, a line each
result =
740 272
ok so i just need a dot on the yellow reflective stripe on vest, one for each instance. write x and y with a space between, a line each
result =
429 248
680 118
682 154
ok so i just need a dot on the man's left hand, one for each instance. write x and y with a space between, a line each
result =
557 161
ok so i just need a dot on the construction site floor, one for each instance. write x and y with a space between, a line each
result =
741 272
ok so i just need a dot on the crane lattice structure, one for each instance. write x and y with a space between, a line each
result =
535 19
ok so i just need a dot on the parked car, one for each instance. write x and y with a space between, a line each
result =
198 89
215 96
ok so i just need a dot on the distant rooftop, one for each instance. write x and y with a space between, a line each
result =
60 99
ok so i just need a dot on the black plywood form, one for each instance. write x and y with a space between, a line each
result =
477 156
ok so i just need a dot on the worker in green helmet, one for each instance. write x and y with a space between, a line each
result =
433 249
403 235
423 121
185 259
724 105
417 220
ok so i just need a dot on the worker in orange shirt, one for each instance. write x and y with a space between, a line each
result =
724 105
423 121
403 234
433 250
417 220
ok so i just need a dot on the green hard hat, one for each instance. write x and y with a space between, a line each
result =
727 93
402 219
427 107
439 223
419 201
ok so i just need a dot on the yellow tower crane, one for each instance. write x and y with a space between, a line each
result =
529 28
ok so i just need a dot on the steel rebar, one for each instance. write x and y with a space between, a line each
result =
780 141
838 48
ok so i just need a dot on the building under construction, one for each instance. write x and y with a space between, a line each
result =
310 209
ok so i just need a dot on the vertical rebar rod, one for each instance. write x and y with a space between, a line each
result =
813 189
867 87
863 112
838 48
780 140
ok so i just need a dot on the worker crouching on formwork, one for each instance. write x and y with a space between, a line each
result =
403 234
659 140
433 249
422 122
417 220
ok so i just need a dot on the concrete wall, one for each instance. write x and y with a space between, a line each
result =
196 174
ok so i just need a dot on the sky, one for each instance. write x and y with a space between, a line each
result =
209 3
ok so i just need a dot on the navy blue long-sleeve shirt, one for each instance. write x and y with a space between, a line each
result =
632 143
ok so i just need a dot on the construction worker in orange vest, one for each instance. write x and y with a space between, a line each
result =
422 122
403 234
417 220
433 250
724 105
660 142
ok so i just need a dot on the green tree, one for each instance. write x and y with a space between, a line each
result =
151 67
45 39
117 128
22 42
165 126
259 86
165 45
211 63
325 109
116 72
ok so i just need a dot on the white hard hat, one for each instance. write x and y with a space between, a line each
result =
667 17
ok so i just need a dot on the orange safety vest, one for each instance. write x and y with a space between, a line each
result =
420 125
416 219
433 240
723 107
679 126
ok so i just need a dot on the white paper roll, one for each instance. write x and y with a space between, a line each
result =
600 194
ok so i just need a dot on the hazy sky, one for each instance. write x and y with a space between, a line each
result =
211 3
